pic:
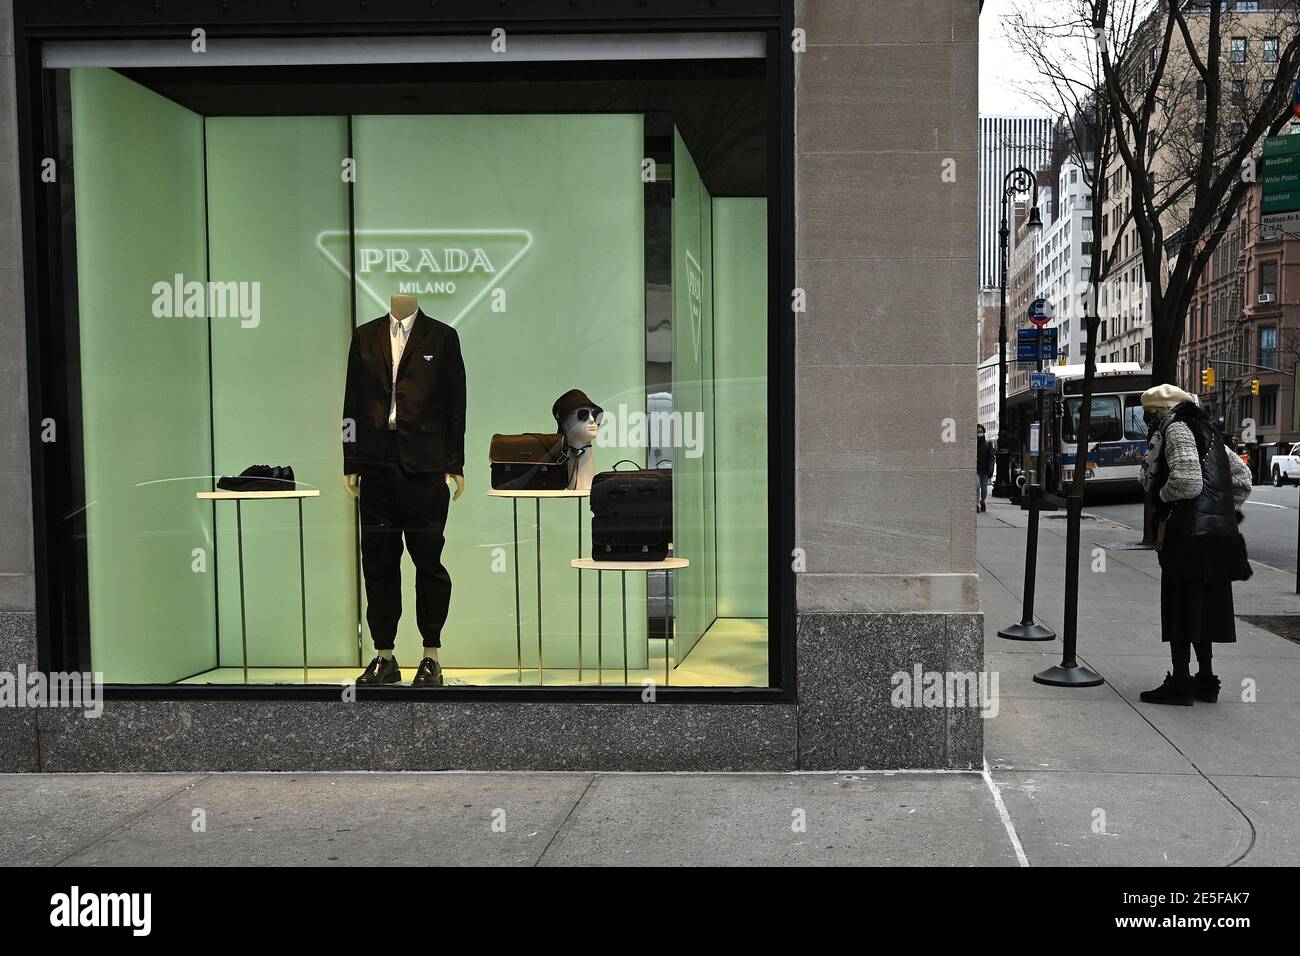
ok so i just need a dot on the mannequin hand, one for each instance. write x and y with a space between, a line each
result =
459 481
353 484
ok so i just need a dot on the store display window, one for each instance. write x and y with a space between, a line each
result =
443 375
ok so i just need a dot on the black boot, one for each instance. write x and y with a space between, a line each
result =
429 674
1207 688
382 670
1175 690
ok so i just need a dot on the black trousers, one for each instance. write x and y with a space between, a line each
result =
397 504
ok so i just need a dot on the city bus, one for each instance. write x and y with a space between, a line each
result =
1117 435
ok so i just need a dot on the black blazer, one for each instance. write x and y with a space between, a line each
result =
430 398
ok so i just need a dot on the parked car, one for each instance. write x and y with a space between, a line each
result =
1286 468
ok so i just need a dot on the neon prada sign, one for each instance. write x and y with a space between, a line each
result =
448 259
455 268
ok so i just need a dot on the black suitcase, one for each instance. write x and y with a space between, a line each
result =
635 539
633 494
632 514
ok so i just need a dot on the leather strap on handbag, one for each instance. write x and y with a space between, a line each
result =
532 461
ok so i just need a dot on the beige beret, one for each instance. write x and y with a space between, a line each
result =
1165 396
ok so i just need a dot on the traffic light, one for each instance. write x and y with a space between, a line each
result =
1207 378
1254 386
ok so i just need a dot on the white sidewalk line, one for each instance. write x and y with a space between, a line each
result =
1005 816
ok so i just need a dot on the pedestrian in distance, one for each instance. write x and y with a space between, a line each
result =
983 470
1198 486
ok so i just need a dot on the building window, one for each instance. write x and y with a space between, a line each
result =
1146 348
1270 50
1268 346
1243 408
1238 49
1268 278
1268 408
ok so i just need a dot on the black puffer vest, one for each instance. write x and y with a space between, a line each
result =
1201 543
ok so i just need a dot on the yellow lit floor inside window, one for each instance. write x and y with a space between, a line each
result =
732 653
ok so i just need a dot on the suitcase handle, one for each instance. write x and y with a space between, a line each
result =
614 467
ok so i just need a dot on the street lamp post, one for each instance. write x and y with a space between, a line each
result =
1019 180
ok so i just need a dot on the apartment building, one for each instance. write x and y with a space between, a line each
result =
1252 35
1063 256
1245 320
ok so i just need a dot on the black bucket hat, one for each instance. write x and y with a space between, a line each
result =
571 401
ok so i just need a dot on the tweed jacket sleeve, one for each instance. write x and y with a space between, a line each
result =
1241 478
1184 463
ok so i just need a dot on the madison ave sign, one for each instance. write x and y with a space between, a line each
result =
455 268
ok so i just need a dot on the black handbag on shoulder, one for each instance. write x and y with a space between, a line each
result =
533 461
632 514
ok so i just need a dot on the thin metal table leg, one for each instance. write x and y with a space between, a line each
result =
579 501
669 618
302 589
243 621
600 632
624 576
541 672
519 634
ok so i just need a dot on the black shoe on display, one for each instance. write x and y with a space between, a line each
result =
259 478
1207 688
382 670
1175 690
428 675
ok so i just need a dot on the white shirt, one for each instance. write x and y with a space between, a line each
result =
399 330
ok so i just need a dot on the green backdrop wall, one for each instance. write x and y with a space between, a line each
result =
144 381
695 588
740 383
275 184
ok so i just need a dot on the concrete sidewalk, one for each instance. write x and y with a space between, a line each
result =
1210 784
1078 777
502 819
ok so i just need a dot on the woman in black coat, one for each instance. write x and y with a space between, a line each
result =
1198 486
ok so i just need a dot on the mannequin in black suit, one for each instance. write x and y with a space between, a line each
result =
403 449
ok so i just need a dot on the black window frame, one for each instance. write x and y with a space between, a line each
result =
56 468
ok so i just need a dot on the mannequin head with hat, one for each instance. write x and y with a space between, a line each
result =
578 417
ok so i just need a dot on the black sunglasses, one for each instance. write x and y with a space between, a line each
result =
597 413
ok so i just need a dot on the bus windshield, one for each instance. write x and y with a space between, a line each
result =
1104 424
1135 420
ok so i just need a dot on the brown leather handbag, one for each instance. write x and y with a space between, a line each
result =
533 461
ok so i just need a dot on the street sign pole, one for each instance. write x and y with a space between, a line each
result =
1039 470
1040 313
1070 673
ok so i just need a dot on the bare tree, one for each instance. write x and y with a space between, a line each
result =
1192 88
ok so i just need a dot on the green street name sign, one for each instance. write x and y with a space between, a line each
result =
1280 175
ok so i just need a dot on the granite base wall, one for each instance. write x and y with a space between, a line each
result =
844 719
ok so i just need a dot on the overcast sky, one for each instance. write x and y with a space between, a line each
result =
1000 66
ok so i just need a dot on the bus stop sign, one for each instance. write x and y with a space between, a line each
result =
1040 312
